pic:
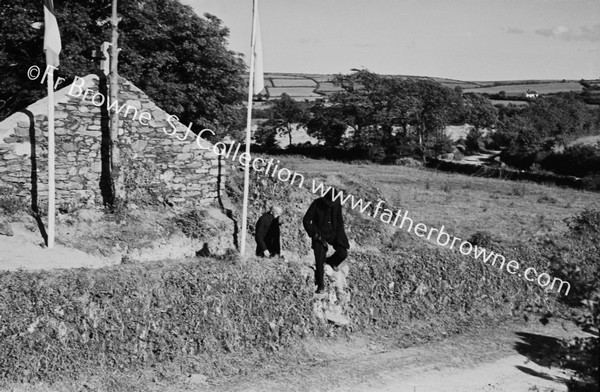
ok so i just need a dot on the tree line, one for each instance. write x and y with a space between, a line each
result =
381 118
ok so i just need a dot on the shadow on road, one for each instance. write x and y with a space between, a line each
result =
545 376
543 350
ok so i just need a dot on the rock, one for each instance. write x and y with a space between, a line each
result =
334 315
5 229
318 310
198 379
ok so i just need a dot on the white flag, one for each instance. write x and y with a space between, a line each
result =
259 78
52 44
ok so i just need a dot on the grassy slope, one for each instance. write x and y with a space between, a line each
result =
461 203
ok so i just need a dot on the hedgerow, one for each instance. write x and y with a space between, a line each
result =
63 324
60 324
443 287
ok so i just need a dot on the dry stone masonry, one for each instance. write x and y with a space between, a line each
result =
152 155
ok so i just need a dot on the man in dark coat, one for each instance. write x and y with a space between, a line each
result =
324 224
268 233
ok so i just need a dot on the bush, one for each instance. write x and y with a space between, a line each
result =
10 203
575 258
473 141
482 239
193 223
142 185
266 137
440 146
63 324
591 183
578 160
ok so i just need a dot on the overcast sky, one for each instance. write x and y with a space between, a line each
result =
459 39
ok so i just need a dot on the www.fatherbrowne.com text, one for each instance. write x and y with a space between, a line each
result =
271 168
398 219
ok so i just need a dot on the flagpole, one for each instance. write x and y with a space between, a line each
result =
248 130
51 187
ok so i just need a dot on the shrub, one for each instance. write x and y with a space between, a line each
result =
440 146
592 183
578 160
575 258
266 137
59 325
473 141
142 184
193 223
10 203
481 238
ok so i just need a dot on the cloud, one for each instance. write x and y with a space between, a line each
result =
583 33
515 30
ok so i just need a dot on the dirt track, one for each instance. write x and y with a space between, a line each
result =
513 358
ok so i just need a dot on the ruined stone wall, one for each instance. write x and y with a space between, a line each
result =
185 171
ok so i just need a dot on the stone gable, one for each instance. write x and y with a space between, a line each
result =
186 171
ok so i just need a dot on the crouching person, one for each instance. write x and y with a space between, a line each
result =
267 236
325 226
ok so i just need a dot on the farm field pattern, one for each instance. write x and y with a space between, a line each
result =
313 86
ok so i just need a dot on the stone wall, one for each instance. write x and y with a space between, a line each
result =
185 171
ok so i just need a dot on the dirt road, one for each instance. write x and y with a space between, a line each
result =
510 358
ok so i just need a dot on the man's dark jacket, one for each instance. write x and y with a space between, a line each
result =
267 235
324 217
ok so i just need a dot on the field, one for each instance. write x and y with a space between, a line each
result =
295 82
302 86
509 210
300 136
328 87
299 93
589 140
507 102
540 88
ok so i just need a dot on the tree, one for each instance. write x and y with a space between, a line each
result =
285 114
530 134
386 114
473 142
326 124
479 111
179 59
437 106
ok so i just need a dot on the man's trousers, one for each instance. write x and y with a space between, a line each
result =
334 260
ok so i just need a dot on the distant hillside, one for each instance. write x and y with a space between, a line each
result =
310 87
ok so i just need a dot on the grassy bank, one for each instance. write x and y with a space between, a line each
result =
66 324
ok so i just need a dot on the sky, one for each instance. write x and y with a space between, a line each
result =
474 40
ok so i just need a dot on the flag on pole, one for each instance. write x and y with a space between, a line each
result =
52 48
52 44
256 84
259 78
